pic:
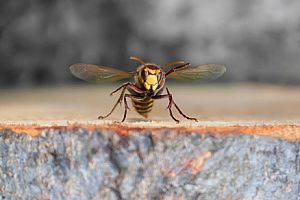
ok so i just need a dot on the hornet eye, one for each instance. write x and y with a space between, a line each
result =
159 76
144 75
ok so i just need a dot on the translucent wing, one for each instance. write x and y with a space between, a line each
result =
202 72
98 74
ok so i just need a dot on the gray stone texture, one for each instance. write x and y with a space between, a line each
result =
100 164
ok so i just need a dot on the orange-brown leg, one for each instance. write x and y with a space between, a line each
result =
171 102
126 105
118 102
185 116
123 96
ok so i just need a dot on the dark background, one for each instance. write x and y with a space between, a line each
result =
256 40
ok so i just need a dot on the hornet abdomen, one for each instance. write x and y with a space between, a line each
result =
144 106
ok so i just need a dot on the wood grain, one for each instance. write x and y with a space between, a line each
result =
240 108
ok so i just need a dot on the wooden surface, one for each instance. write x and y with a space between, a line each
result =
76 156
224 108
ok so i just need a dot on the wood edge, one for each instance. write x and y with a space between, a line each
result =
283 131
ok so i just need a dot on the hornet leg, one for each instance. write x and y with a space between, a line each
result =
189 118
126 105
123 96
118 102
171 102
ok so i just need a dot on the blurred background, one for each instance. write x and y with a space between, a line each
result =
258 41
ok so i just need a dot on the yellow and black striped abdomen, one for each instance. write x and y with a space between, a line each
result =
143 107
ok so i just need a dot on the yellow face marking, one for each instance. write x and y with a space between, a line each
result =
151 81
148 86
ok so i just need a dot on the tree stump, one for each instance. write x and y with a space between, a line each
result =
73 157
